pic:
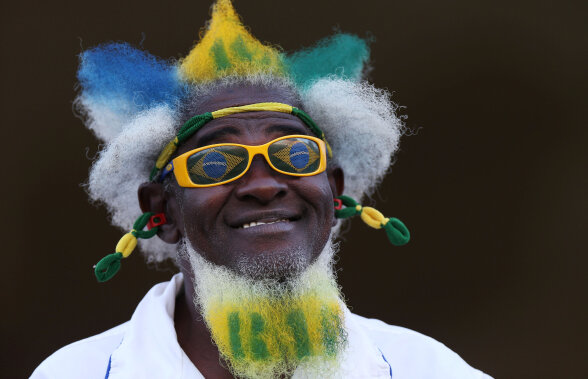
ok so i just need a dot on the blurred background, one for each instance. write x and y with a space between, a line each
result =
493 182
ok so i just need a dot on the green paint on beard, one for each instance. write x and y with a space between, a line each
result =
258 347
234 329
297 322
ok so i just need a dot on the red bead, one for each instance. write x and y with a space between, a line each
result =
156 220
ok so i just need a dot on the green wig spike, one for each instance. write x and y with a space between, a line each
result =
342 55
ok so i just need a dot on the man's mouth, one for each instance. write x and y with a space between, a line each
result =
254 223
257 219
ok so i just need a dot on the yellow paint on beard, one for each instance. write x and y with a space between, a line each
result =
268 337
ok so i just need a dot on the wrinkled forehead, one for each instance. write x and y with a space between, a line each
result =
239 94
246 123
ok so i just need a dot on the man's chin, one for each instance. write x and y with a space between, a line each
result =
271 318
274 265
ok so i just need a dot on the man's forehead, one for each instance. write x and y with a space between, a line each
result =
261 126
243 94
232 127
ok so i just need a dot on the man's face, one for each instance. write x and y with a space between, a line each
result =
294 215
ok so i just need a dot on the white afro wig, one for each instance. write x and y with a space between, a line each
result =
358 120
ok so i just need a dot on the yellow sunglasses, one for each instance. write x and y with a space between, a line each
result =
213 165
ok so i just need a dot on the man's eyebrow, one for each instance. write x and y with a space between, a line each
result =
225 131
206 139
288 129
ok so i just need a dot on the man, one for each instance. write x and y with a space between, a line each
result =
241 155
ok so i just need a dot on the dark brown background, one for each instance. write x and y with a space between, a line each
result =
493 186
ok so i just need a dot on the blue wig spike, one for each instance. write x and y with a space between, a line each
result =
126 80
342 55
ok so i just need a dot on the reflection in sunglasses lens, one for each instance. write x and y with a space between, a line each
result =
217 164
295 155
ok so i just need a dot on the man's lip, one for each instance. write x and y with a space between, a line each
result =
263 216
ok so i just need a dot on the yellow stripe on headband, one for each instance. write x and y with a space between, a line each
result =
272 107
167 152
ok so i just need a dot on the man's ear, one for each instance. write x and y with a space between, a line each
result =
336 180
154 198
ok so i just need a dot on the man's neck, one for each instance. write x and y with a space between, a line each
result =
194 337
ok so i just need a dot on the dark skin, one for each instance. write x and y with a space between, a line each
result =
301 209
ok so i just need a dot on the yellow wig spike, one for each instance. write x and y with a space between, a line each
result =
227 48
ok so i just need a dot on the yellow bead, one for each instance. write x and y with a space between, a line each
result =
372 217
126 245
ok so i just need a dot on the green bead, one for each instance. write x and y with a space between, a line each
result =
107 267
397 232
345 212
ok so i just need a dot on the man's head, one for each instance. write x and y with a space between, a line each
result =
136 103
265 223
358 120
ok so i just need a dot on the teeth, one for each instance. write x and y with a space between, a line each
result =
253 223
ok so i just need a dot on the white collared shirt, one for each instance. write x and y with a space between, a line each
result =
146 346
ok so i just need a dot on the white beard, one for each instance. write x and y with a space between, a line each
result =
219 291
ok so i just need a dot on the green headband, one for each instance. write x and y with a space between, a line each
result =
195 123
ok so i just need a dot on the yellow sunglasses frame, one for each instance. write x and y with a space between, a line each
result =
183 178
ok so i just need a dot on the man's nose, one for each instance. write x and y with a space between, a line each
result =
261 182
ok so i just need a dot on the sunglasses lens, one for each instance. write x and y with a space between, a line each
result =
295 155
217 164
